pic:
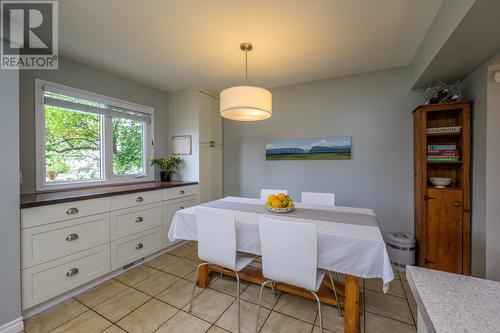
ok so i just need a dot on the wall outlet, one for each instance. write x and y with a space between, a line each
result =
496 77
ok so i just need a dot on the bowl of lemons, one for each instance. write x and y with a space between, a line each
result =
279 203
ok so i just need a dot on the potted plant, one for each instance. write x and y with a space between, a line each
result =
168 166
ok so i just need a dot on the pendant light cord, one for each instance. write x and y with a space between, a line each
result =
246 67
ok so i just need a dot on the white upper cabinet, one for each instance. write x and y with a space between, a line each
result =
210 121
215 171
195 112
204 117
215 121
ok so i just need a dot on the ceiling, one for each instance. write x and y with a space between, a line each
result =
481 20
176 44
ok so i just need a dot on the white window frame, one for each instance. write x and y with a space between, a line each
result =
106 143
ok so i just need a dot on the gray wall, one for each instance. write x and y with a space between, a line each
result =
374 108
475 87
82 76
492 176
10 290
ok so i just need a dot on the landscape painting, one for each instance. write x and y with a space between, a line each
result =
328 148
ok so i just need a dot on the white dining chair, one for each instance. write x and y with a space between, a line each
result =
316 198
265 193
290 255
217 245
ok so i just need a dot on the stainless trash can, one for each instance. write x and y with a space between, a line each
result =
401 248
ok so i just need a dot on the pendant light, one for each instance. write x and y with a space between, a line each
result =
246 103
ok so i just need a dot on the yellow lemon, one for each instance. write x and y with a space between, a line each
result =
276 203
271 198
281 196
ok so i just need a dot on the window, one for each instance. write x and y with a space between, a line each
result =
85 139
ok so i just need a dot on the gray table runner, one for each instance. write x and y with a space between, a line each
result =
302 213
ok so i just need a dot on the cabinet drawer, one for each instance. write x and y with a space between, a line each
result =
172 206
42 282
129 249
135 199
36 216
128 221
56 240
179 192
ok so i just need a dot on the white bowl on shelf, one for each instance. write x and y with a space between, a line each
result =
440 182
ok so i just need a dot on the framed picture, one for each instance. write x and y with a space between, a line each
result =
181 145
326 148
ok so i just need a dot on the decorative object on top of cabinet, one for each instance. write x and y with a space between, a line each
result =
195 112
442 187
443 92
168 166
181 145
246 103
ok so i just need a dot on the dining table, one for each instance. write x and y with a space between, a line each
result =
350 242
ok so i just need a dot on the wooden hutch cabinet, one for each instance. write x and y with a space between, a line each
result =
443 215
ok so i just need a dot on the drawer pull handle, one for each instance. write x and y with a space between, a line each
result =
181 192
72 237
139 246
457 204
72 211
139 219
139 199
72 272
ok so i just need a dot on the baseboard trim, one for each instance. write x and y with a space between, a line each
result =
15 326
28 313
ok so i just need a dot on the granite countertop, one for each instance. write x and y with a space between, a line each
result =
61 196
455 303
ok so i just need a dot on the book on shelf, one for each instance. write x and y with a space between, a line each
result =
443 159
441 147
443 155
443 151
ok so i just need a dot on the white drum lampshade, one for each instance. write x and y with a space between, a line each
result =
246 103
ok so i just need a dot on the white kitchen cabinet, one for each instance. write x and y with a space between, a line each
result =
51 241
50 279
66 245
195 112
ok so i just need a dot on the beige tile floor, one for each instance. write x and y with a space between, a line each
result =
154 297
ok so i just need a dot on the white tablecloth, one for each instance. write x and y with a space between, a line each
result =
352 249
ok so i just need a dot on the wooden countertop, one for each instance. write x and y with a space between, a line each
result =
61 196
